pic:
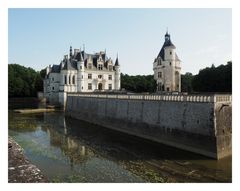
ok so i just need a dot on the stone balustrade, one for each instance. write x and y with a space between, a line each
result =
187 98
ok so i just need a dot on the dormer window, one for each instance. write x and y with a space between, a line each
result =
90 66
110 67
100 66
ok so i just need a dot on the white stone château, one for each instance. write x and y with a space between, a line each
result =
81 72
167 68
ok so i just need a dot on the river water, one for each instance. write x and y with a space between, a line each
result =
69 150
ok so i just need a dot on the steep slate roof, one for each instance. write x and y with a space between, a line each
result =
55 69
71 64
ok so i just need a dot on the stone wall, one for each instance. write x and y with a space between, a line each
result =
196 124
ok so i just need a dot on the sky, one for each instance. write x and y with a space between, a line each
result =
41 37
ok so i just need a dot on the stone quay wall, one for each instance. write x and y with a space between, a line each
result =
200 124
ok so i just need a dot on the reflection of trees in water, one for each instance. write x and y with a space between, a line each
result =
76 152
19 122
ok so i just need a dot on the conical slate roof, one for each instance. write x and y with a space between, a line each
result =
167 43
116 62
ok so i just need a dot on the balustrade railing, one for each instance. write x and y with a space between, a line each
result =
186 98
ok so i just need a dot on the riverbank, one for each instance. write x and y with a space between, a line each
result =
20 169
26 111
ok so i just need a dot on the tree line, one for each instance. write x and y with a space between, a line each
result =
26 82
210 79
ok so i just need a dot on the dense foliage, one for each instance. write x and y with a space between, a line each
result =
186 82
139 83
23 82
214 79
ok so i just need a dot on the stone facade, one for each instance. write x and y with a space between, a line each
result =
200 124
81 72
167 68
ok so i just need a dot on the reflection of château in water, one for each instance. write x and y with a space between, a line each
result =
76 151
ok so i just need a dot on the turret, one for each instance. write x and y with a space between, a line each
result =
167 36
80 67
70 52
117 74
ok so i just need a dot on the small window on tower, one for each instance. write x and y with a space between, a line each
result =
170 63
159 74
170 52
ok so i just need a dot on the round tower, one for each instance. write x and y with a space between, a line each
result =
167 67
117 74
80 78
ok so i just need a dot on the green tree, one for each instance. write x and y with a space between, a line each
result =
186 82
23 82
214 79
138 83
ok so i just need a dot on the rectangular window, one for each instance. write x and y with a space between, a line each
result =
110 86
159 74
100 66
65 79
52 88
110 67
100 76
110 77
89 86
89 76
52 79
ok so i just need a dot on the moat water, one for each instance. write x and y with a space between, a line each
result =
69 150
